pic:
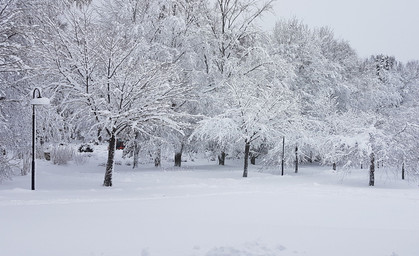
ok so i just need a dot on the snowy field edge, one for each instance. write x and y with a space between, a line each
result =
203 209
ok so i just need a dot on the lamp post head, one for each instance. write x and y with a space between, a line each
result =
38 99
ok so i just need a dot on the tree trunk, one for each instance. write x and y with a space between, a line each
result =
334 166
136 152
296 159
403 171
246 158
178 157
221 158
110 163
157 158
372 169
253 159
99 135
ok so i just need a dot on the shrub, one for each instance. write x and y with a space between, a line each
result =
5 168
62 154
80 159
86 148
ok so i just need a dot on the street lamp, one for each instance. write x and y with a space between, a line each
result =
36 100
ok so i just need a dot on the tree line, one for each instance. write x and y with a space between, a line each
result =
176 76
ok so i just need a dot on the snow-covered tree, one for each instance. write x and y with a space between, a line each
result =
314 84
259 104
401 123
14 87
172 76
228 35
110 73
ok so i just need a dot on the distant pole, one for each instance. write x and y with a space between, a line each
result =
403 171
296 159
283 156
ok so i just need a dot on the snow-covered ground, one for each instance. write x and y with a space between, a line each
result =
203 209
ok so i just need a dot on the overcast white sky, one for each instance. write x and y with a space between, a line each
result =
371 26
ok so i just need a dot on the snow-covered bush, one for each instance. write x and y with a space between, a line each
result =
85 148
80 159
5 168
62 154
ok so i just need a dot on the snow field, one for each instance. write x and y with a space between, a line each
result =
204 209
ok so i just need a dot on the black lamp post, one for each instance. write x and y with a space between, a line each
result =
36 100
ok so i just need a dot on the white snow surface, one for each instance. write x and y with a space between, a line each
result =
203 209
